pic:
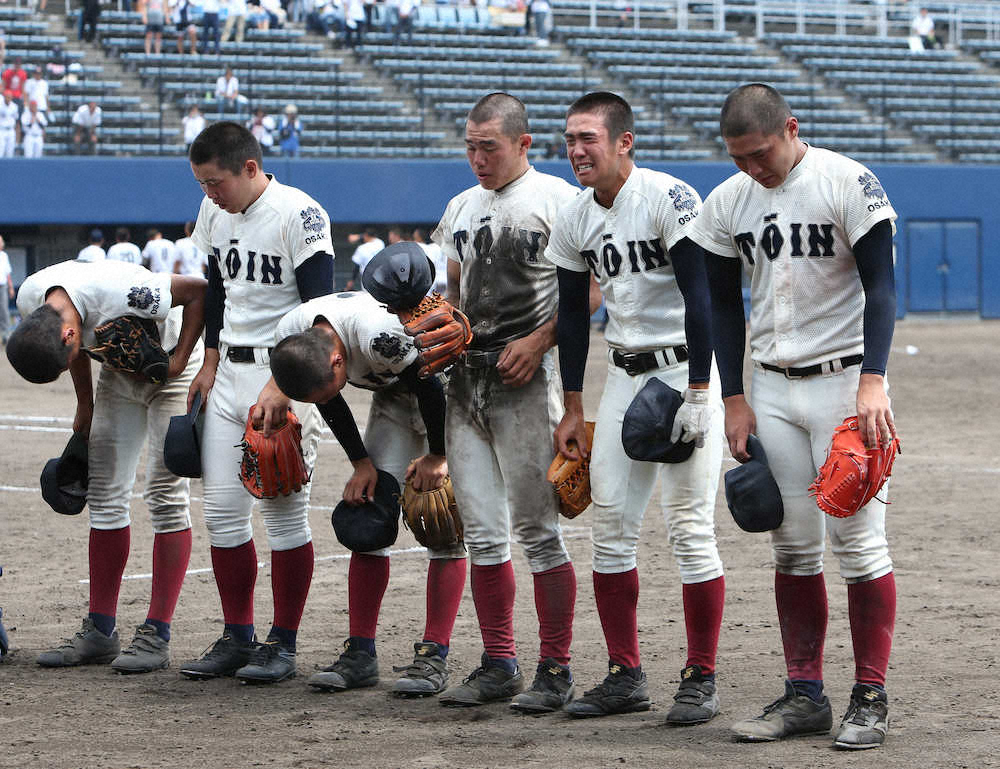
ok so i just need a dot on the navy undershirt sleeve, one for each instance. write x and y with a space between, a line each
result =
725 284
431 400
573 327
688 259
215 303
337 414
873 253
314 276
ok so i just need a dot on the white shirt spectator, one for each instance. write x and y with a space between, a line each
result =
84 117
210 6
91 253
193 125
125 252
237 7
227 89
37 90
263 131
923 25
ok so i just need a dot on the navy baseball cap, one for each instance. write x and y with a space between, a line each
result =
96 235
647 424
372 525
752 493
182 446
64 478
399 275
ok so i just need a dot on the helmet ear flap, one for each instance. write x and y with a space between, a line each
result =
399 275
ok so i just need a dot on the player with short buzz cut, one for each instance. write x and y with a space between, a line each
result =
630 228
349 337
61 306
269 250
503 403
813 229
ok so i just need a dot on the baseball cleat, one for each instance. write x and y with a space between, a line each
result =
487 683
696 701
426 675
88 647
269 663
867 719
220 660
355 668
552 688
793 715
146 653
620 692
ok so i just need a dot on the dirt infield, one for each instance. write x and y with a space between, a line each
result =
943 683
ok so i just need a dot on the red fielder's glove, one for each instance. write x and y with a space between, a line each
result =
440 331
852 474
273 466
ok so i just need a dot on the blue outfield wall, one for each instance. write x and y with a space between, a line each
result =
956 206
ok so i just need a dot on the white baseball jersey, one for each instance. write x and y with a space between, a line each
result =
159 255
8 116
364 253
508 288
103 291
5 270
627 249
257 252
807 302
33 127
193 260
91 253
440 262
125 252
378 348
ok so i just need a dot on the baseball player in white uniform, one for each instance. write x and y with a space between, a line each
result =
33 124
189 259
6 291
349 337
94 250
8 125
630 228
159 254
503 402
61 306
123 250
269 250
370 245
814 231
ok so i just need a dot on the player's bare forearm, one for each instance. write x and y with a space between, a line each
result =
874 413
740 422
204 380
521 358
571 429
428 472
361 485
83 384
454 283
270 409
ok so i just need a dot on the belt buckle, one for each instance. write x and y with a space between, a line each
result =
631 364
789 375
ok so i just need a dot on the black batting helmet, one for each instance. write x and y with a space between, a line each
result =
399 275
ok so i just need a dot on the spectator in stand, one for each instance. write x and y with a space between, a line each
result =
89 15
159 254
93 251
154 17
326 17
407 10
923 27
33 124
262 126
390 15
369 244
189 259
276 15
369 9
86 121
7 287
9 128
14 78
3 46
541 13
194 124
289 132
56 68
210 25
354 21
37 90
123 249
227 93
182 15
236 16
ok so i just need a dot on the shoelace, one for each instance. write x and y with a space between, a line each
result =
142 642
264 653
218 649
778 702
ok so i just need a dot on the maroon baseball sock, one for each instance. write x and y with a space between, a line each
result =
872 609
555 598
235 575
703 604
617 600
108 554
291 575
367 579
171 553
493 590
802 615
445 585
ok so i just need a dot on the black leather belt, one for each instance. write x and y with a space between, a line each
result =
636 363
481 358
241 354
827 367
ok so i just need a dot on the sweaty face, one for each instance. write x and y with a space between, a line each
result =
595 156
229 191
767 159
496 159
